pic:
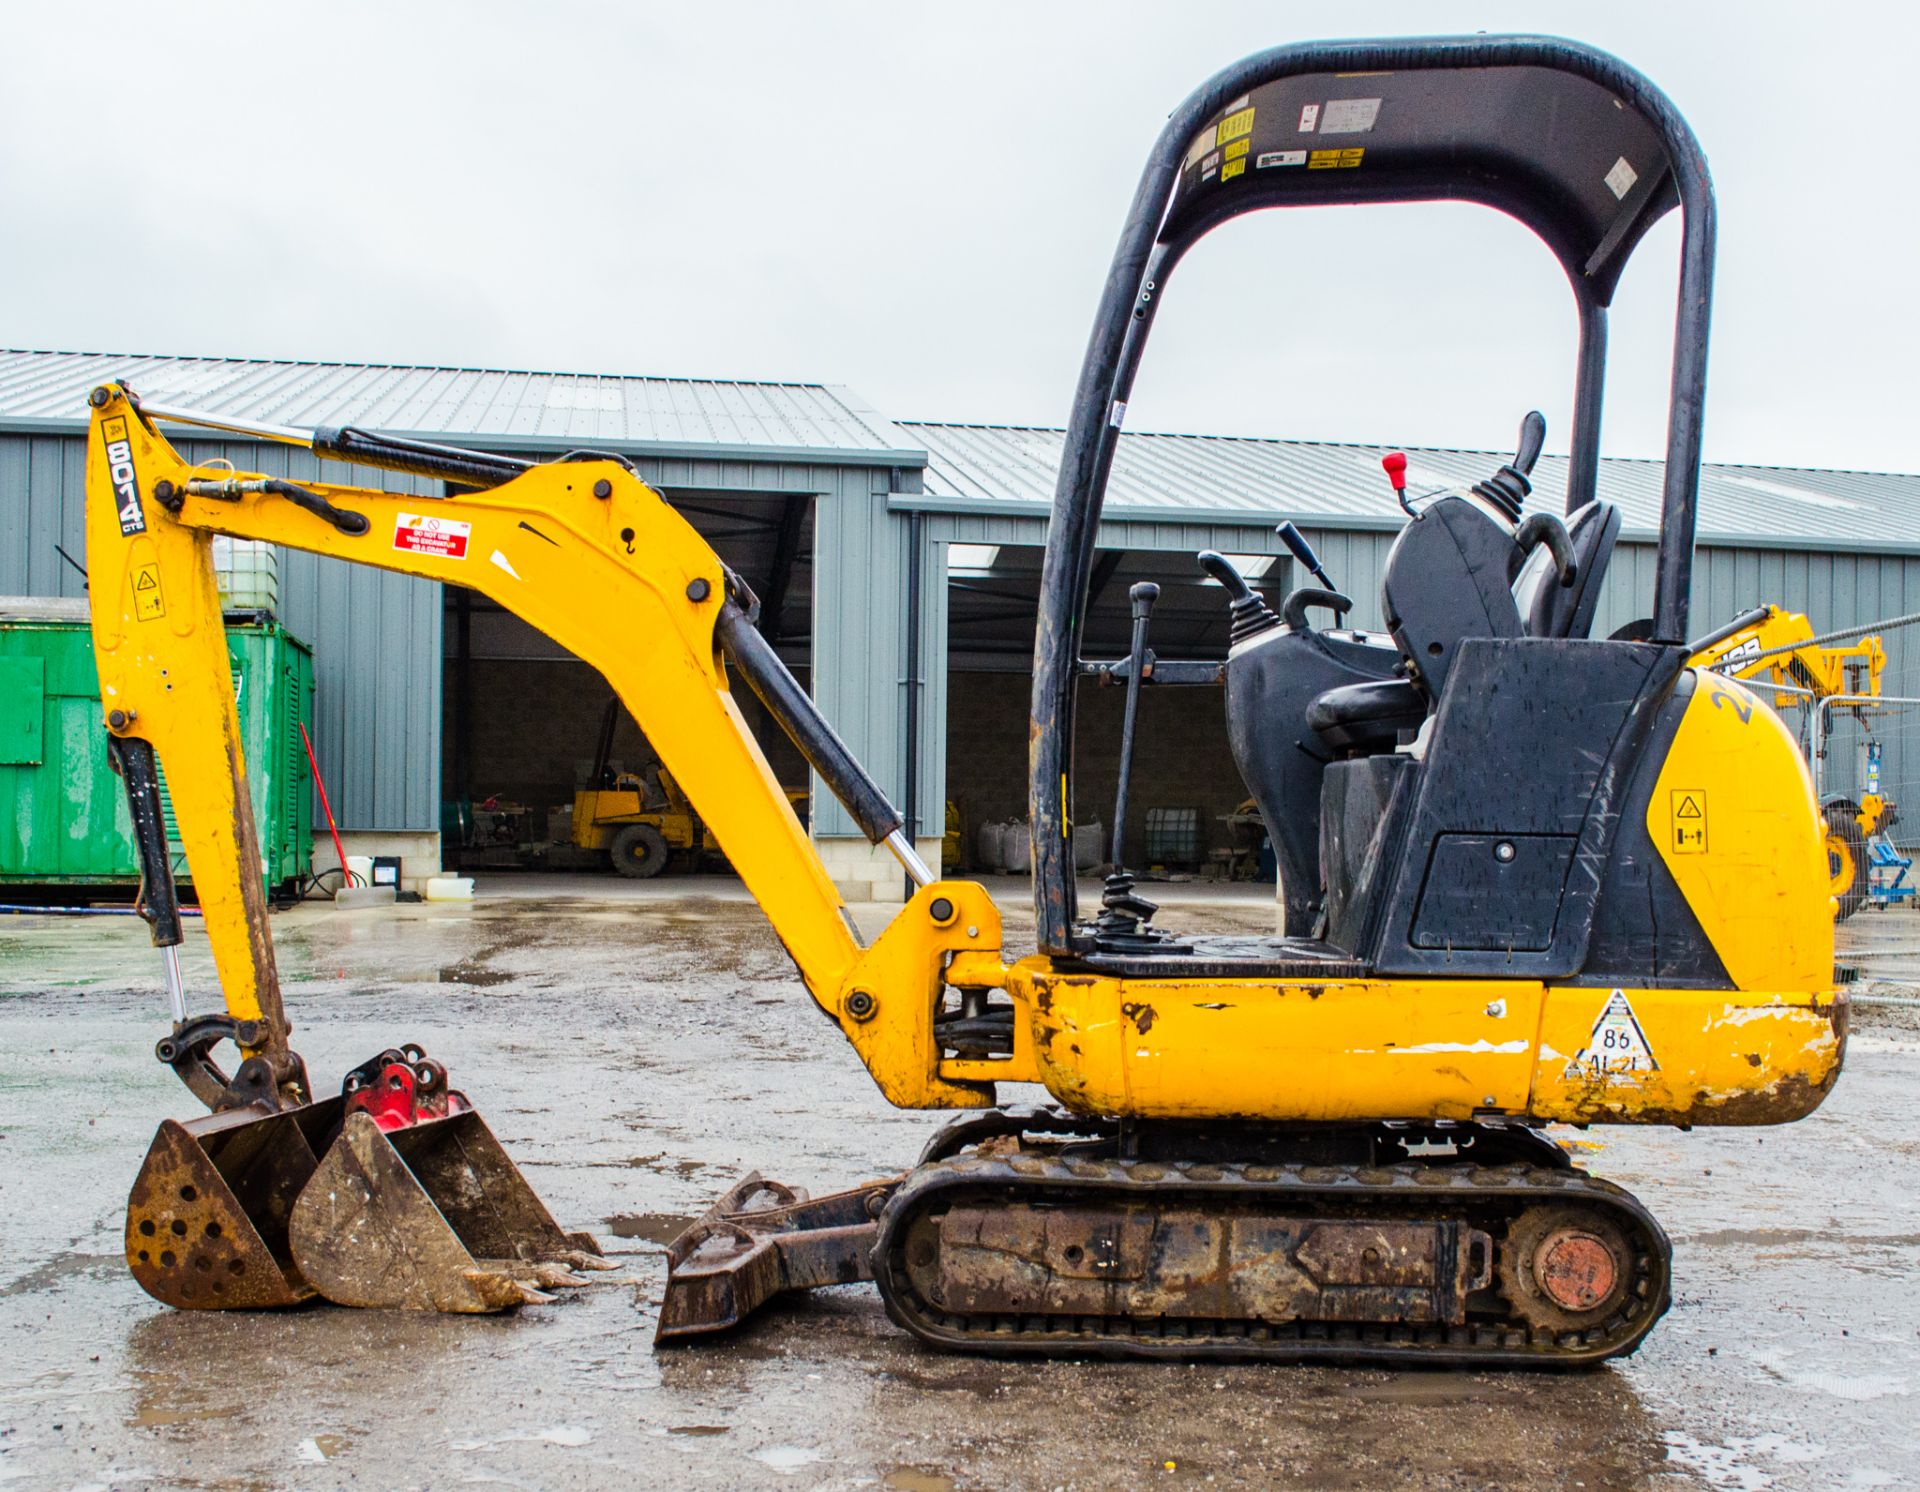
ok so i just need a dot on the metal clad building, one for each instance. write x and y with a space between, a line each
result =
893 558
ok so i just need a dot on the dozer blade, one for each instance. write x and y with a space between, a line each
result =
762 1240
207 1217
430 1217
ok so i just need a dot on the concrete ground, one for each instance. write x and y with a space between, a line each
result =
637 1047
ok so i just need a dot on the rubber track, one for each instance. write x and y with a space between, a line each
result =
1480 1196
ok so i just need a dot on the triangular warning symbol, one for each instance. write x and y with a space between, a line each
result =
1689 808
1617 1046
145 582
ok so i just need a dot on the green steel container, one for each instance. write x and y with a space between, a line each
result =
63 816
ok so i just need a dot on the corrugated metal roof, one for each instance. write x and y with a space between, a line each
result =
523 410
1209 477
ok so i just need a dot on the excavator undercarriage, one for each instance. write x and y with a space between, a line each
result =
1040 1233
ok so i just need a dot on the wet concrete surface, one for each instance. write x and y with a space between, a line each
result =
637 1051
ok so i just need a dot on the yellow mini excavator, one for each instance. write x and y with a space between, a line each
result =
1560 879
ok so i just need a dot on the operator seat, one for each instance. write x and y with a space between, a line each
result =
1454 573
1553 610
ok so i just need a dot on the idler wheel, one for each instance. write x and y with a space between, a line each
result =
1564 1269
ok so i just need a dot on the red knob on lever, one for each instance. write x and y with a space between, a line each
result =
1394 463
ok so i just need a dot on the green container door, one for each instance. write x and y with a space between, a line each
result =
63 815
273 685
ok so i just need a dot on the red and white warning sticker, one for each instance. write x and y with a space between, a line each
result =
419 533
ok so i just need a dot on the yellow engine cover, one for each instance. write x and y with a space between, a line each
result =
1734 819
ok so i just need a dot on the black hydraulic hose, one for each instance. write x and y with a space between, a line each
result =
232 489
28 909
748 650
350 524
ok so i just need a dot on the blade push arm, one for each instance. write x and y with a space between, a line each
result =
598 561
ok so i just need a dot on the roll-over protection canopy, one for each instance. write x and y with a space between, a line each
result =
1559 151
1567 139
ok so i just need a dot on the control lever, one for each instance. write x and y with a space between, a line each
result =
1123 912
1394 464
1303 551
1248 614
1509 487
1533 437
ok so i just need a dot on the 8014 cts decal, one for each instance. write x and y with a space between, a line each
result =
126 486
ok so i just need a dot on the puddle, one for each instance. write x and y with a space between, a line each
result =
316 1449
650 1227
467 974
911 1479
154 1416
786 1457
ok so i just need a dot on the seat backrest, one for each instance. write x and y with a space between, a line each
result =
1550 609
1448 577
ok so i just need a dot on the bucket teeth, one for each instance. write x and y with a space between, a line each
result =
432 1217
208 1212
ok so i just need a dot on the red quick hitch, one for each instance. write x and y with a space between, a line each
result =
400 1088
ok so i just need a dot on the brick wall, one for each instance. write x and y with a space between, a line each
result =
1181 758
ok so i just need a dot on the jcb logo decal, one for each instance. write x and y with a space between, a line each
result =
126 486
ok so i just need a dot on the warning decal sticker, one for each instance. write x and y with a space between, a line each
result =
148 602
419 534
1234 126
1349 116
1336 160
1270 158
1689 821
1617 1046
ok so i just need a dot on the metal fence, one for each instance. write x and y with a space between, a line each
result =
1869 744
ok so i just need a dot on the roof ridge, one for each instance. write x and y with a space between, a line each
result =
1365 445
306 362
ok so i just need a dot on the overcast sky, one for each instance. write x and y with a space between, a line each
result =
921 202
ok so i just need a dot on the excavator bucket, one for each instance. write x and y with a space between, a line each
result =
207 1219
432 1216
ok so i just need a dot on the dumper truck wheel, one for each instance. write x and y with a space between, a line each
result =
1846 860
639 851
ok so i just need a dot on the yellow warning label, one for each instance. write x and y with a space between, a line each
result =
1332 160
1239 148
1232 169
1234 126
1689 821
148 602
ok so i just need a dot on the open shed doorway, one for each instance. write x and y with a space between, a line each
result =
523 718
1187 814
